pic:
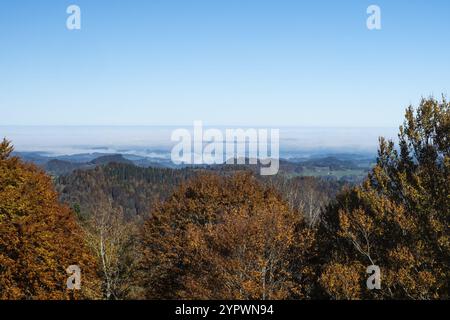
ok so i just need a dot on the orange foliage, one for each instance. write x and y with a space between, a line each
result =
399 218
225 238
39 238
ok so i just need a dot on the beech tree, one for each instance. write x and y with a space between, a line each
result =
225 238
112 239
398 219
39 238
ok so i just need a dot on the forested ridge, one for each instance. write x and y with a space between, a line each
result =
133 189
227 233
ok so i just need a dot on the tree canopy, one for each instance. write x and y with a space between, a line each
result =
398 219
39 237
225 238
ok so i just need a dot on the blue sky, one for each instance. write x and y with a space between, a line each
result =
226 62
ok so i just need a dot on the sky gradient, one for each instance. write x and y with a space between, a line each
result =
233 62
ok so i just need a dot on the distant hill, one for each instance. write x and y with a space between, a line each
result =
133 190
113 158
59 167
342 167
34 157
332 162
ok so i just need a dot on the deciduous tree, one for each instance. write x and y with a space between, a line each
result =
225 238
39 238
399 218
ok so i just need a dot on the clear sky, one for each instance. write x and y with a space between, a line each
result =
226 62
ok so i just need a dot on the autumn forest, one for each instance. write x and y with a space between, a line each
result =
225 232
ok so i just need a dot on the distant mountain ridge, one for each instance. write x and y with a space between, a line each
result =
66 164
113 158
348 167
60 167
